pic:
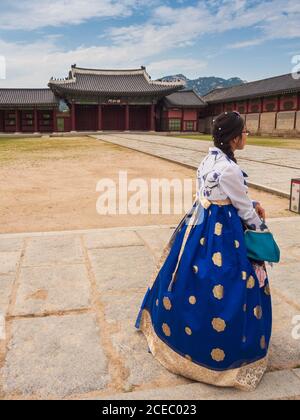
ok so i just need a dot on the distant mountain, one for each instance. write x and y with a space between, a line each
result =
203 85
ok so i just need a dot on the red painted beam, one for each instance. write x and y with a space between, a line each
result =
36 129
152 122
18 125
54 120
73 117
126 117
100 119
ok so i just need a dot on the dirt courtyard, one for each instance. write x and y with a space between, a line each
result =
49 184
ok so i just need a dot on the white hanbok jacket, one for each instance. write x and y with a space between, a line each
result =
220 178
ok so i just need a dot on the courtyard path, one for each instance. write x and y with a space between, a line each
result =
269 168
70 300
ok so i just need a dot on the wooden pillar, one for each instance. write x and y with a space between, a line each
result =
278 104
54 121
152 116
100 117
73 117
277 112
127 117
18 125
36 129
261 105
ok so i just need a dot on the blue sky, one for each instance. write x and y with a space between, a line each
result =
226 38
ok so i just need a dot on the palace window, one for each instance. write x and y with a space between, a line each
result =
189 125
289 105
175 124
271 106
254 108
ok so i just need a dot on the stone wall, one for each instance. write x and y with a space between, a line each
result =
298 123
202 126
208 124
267 122
252 122
285 121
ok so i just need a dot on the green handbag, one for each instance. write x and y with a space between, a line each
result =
261 246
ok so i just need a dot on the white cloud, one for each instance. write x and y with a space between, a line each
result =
33 14
158 43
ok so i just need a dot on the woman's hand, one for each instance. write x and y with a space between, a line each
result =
260 211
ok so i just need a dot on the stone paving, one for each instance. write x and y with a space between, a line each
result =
70 300
269 168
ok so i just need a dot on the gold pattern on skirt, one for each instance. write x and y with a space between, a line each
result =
218 229
195 269
218 355
267 290
250 282
217 259
219 324
244 275
166 330
192 300
236 244
188 331
245 378
258 312
202 241
167 303
157 302
218 292
263 342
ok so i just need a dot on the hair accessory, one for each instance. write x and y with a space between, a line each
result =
222 144
220 128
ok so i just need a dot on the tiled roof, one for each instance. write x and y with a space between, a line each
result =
184 98
112 82
261 88
27 97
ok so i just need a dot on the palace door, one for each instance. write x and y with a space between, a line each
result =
113 117
86 117
139 118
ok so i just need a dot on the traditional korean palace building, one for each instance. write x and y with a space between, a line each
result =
270 106
129 100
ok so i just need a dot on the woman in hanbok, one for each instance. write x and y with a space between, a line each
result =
208 315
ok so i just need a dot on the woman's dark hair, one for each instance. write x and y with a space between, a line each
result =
226 127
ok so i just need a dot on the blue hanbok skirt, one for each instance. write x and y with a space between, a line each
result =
204 315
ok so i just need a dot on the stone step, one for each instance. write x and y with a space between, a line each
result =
281 385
